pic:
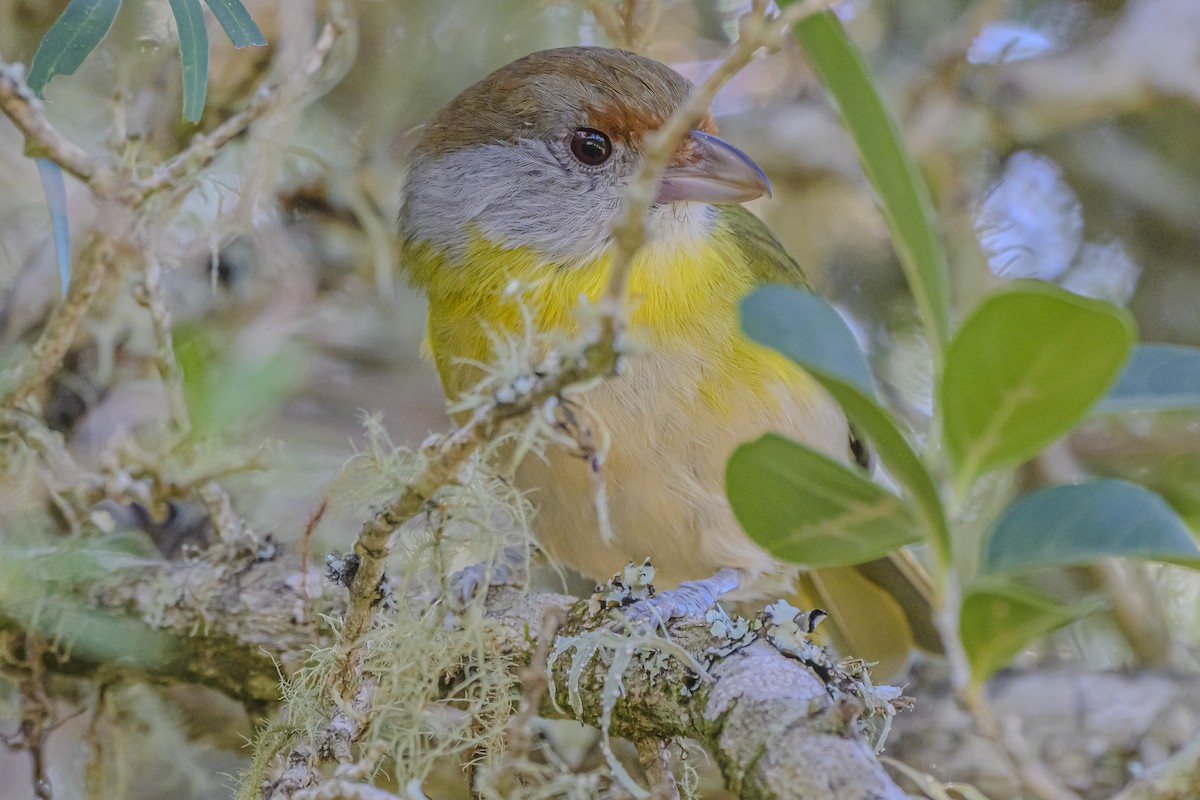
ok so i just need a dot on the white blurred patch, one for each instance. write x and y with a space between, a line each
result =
1030 225
1003 42
1104 271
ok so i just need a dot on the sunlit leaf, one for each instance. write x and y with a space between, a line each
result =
75 34
999 619
809 331
1024 368
1079 524
55 189
193 55
903 196
1157 377
239 26
804 507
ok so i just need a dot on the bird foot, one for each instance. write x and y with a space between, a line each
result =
466 584
688 599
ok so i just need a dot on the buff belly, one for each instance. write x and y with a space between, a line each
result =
671 437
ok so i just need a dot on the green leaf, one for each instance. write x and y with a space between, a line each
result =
1026 366
811 333
1157 377
193 55
75 34
903 196
55 188
999 619
238 24
1078 524
806 329
804 507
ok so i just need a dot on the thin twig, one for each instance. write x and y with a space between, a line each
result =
150 295
204 147
59 333
42 139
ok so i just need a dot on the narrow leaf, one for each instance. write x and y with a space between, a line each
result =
811 333
193 55
1078 524
903 196
1026 366
999 619
55 189
75 34
238 24
1157 377
804 507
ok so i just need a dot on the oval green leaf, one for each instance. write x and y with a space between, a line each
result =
804 507
999 619
1158 377
808 330
73 36
1078 524
237 23
193 55
1024 368
903 195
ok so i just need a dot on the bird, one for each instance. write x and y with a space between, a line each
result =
518 181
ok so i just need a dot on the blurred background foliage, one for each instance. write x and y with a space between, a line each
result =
1052 133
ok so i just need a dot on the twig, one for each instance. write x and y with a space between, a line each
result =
150 295
42 140
59 333
37 717
629 233
204 147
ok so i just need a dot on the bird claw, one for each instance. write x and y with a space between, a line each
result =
689 599
466 584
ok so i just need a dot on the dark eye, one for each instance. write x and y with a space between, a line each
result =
590 146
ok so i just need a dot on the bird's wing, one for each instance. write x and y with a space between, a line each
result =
763 252
770 263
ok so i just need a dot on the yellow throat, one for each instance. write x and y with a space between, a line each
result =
683 294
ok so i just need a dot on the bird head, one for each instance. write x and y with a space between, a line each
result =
536 155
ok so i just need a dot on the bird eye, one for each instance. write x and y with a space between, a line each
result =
591 146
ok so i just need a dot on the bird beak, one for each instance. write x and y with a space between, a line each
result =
710 170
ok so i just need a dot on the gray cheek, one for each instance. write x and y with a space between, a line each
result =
516 196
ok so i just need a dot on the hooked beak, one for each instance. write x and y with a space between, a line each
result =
712 171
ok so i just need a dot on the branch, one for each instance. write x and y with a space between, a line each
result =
59 334
775 727
204 147
42 140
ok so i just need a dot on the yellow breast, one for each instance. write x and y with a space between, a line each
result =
680 297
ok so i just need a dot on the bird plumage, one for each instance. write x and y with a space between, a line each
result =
498 197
